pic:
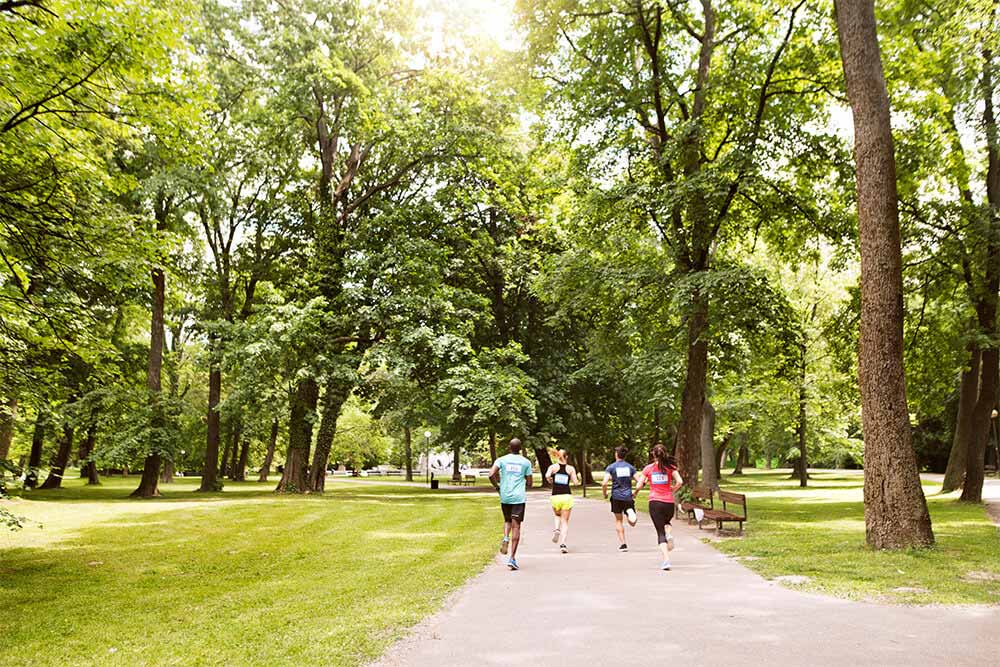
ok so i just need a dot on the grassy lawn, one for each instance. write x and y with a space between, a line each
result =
237 578
819 532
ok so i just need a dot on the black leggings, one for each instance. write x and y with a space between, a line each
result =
661 513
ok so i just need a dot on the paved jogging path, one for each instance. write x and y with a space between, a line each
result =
597 606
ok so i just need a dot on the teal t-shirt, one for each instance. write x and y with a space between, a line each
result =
513 468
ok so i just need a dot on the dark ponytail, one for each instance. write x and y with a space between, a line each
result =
663 459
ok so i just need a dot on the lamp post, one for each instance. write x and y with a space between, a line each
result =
996 438
427 448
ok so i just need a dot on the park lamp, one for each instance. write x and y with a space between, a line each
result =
427 449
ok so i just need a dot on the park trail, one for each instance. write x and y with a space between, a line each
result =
597 606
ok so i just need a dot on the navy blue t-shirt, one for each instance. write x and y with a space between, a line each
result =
621 473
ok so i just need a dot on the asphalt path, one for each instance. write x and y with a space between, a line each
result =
596 605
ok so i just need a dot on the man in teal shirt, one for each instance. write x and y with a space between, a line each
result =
513 472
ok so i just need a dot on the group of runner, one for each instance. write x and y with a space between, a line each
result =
511 474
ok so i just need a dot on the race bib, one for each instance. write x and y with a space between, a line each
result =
622 471
660 478
512 468
561 478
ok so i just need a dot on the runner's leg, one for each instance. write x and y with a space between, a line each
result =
620 528
515 536
564 525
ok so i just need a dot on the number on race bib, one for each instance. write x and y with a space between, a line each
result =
622 471
561 478
660 478
513 467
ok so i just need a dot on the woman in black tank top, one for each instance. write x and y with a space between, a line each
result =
561 475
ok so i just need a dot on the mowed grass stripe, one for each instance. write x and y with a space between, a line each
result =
819 532
262 579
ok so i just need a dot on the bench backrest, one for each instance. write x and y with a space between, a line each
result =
700 492
730 498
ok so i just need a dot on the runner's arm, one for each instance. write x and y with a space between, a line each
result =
678 482
572 474
604 482
639 485
529 479
548 472
494 473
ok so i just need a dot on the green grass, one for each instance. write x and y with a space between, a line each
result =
237 578
819 532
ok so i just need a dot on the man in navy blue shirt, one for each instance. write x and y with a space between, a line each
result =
619 476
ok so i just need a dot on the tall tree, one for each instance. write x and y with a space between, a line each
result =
679 79
895 508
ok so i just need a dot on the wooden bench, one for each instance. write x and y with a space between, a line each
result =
701 498
468 480
724 515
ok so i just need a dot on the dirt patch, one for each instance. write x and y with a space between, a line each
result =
979 575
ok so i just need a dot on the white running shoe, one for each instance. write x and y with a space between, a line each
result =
631 516
665 565
555 536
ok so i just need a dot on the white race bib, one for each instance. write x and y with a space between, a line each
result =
660 478
622 471
561 478
513 468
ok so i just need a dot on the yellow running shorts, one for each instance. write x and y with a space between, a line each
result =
563 501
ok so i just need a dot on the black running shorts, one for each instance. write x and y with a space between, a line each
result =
513 512
621 506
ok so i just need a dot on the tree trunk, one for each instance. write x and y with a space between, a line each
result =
656 425
493 445
224 463
234 449
333 400
59 461
210 473
693 397
8 416
544 461
148 483
167 474
710 474
269 456
975 461
294 479
720 454
88 469
741 457
968 394
456 473
972 490
801 471
586 476
37 442
408 452
895 508
241 465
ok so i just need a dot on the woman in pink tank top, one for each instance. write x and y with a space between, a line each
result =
663 480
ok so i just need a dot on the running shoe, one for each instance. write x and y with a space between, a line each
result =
623 548
563 548
512 564
670 542
631 516
503 545
665 565
555 536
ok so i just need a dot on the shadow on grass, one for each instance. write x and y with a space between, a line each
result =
185 491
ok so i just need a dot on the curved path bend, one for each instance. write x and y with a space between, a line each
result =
597 606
